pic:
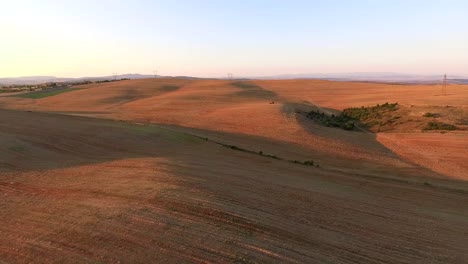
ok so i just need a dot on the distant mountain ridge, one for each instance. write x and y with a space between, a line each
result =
460 81
353 76
32 80
376 77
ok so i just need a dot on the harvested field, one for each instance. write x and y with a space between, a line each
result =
132 172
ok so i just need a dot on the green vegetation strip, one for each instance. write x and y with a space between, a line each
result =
341 121
306 163
172 134
246 85
252 90
373 112
45 93
439 126
169 88
347 120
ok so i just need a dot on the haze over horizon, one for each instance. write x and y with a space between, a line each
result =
76 39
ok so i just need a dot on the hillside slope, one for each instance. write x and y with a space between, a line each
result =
268 109
89 190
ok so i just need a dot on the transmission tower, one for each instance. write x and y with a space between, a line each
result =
230 76
115 75
155 73
444 85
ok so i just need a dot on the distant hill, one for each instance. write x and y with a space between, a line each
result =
32 80
43 79
461 81
369 76
27 80
120 76
357 76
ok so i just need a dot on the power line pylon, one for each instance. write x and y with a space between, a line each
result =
444 85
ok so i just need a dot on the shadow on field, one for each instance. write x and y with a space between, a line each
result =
132 94
252 90
358 137
33 141
36 141
208 203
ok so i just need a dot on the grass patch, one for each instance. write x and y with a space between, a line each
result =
169 88
46 93
439 126
252 90
246 85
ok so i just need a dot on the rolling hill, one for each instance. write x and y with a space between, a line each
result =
184 170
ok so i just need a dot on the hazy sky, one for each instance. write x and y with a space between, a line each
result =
246 37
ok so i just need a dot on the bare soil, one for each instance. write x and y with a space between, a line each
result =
130 172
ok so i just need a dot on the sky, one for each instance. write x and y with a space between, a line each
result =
69 38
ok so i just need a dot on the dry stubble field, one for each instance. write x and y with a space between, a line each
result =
132 172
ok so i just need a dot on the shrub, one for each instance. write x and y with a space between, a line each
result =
348 125
272 156
338 121
362 113
439 126
237 148
431 115
307 162
346 120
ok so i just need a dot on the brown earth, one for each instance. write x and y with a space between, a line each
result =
217 105
443 153
79 189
